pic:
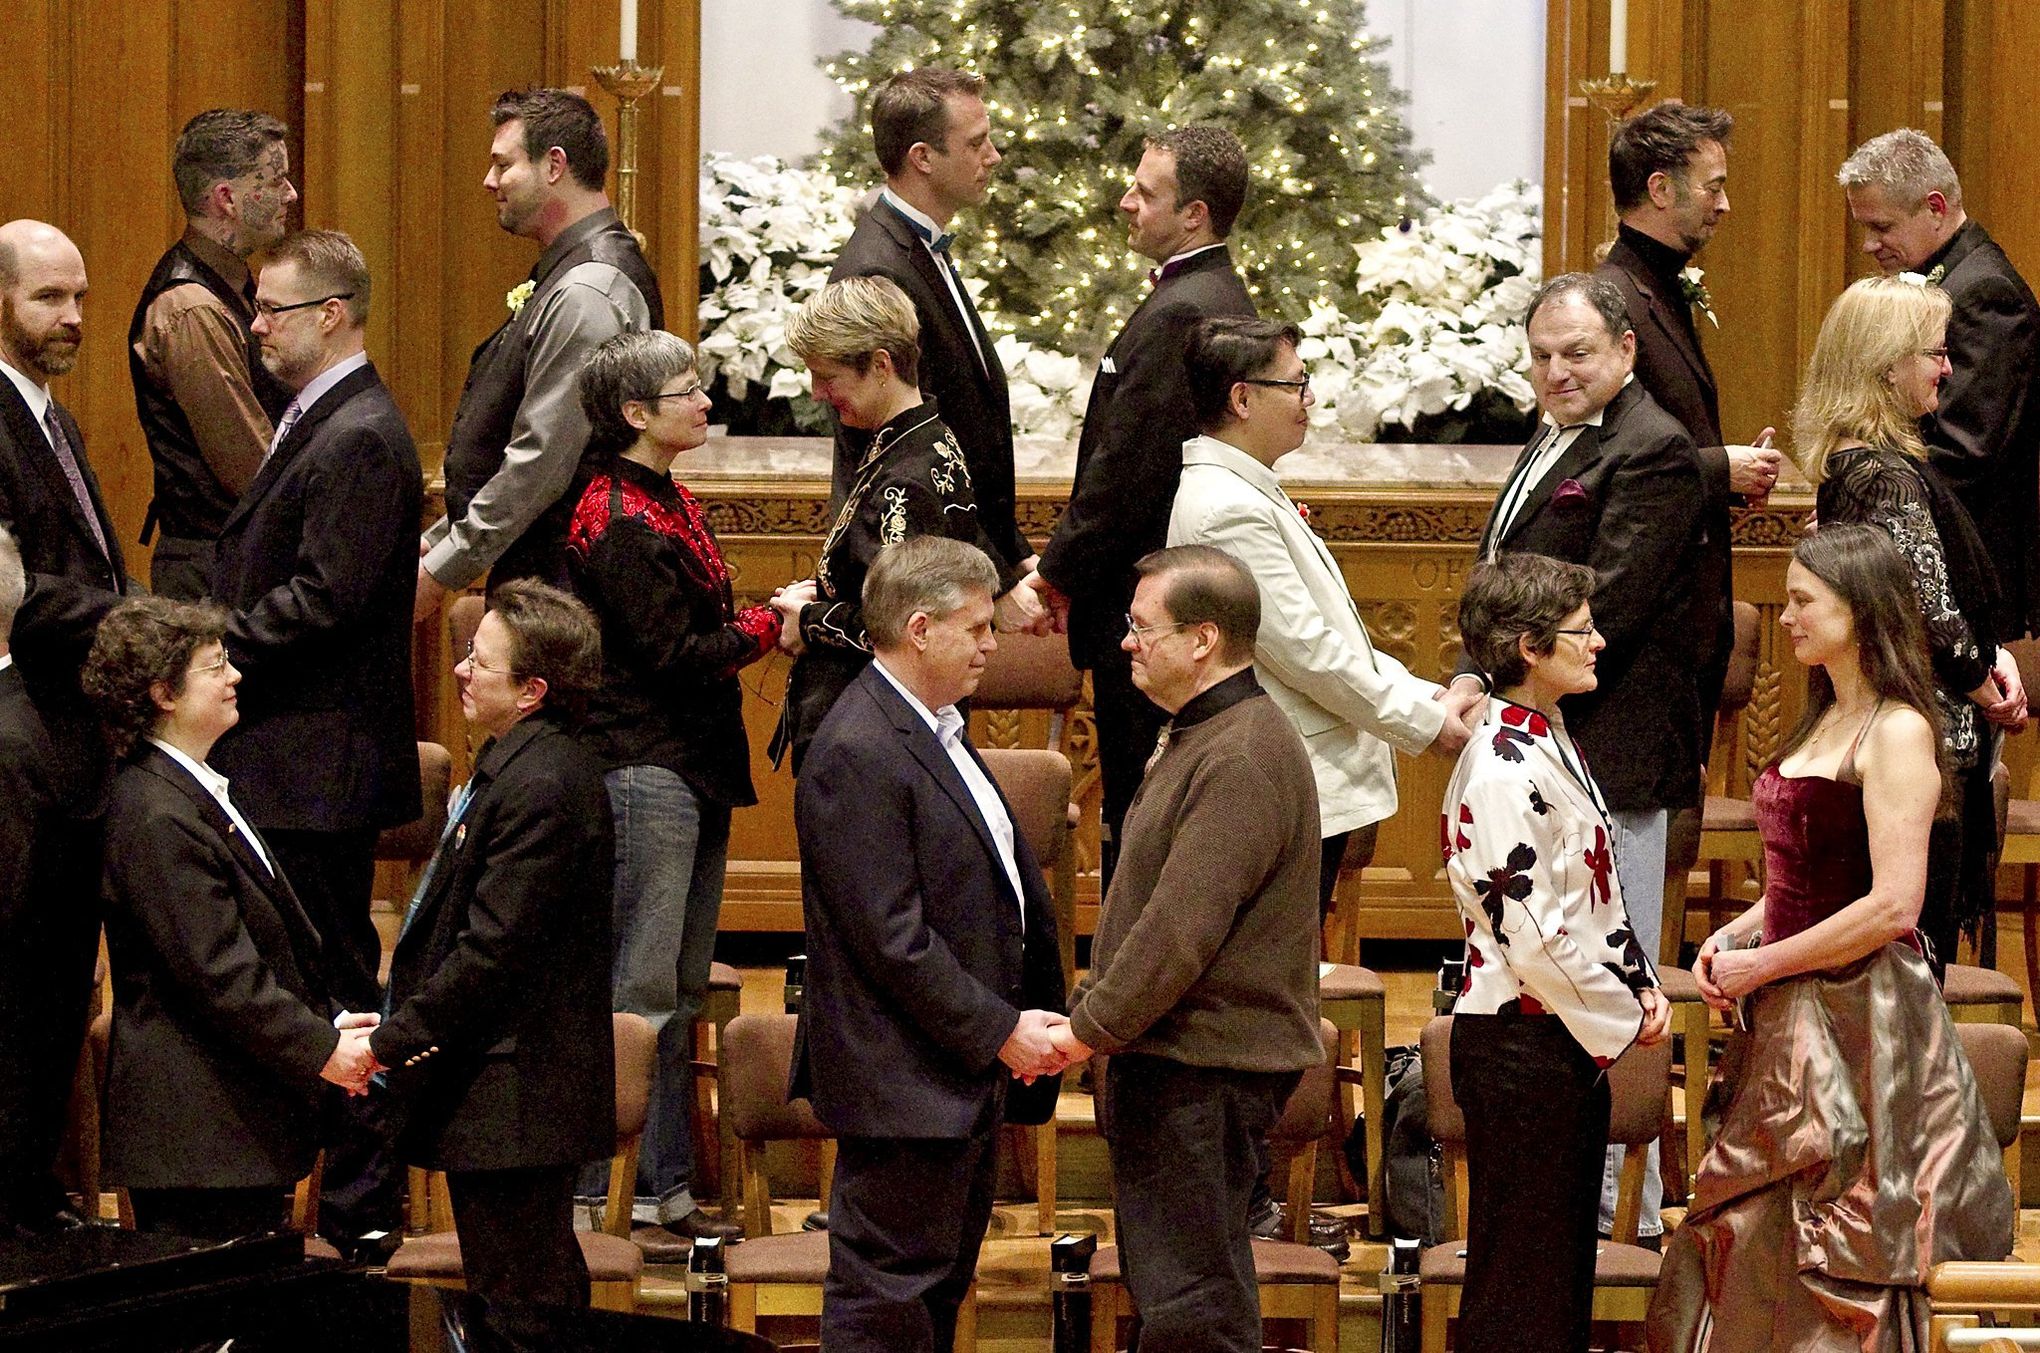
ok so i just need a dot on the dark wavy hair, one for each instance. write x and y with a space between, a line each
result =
143 641
1518 596
1872 579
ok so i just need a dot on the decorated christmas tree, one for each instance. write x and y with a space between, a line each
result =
1073 87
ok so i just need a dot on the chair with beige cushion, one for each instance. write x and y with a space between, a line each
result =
1625 1274
1355 1001
722 1003
1964 1291
615 1264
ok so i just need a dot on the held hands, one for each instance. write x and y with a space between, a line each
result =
1753 470
352 1063
1050 608
1040 1045
1022 610
1657 1017
789 601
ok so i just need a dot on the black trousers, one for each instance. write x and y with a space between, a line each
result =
181 568
906 1219
210 1214
1183 1142
1961 888
1128 725
517 1251
333 875
1536 1111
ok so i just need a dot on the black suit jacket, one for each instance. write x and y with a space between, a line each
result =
917 967
71 583
1985 437
1130 455
971 395
1672 366
318 563
1632 513
221 1021
499 987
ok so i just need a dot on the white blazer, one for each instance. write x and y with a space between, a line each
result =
1349 702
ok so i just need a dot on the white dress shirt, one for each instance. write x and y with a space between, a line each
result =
215 784
947 726
929 231
36 395
315 390
1557 441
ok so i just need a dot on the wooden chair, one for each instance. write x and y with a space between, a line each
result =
1032 672
463 617
1725 834
721 1005
1982 995
410 846
1355 1001
1625 1274
1962 1292
615 1264
780 1275
1297 1282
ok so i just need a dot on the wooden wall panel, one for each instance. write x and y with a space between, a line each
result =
1993 120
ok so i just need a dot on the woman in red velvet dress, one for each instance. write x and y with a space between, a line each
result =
1852 1152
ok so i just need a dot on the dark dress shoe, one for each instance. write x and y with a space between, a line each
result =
815 1221
660 1245
698 1225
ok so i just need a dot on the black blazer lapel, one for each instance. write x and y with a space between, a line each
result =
1667 322
941 302
270 881
300 434
35 447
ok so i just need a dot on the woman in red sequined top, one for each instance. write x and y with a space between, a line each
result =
668 722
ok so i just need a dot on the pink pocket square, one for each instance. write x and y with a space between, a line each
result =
1568 491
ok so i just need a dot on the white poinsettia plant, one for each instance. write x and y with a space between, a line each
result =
1452 289
1451 292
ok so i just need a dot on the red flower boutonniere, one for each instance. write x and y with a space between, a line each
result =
1303 511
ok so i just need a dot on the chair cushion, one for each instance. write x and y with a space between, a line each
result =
722 977
317 1247
1275 1261
610 1259
1348 982
1728 815
1614 1265
1678 985
2022 818
1965 985
802 1257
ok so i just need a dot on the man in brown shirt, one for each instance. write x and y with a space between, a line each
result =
1203 984
208 408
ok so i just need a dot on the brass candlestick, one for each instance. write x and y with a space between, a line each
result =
1617 95
628 82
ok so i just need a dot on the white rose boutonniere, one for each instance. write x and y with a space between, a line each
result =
519 294
1693 286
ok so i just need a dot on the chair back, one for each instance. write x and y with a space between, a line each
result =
1740 680
1637 1084
756 1057
1997 1054
1037 784
1307 1115
415 840
1029 671
637 1058
463 617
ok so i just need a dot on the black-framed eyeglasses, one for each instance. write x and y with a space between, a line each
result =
1299 386
481 666
1939 354
689 393
1586 631
1140 633
268 311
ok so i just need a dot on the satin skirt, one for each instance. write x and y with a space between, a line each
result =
1851 1154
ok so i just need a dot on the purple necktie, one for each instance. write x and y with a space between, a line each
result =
67 458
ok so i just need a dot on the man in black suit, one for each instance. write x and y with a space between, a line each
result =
1984 438
1186 193
1668 168
70 553
499 988
316 563
933 975
934 142
1610 480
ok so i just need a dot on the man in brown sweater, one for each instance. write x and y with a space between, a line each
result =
1204 978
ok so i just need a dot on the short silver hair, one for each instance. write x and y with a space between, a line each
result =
1907 165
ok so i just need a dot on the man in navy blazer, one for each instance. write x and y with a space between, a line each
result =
933 974
317 563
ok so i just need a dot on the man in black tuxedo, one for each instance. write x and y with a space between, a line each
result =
70 553
933 974
934 142
1984 438
1186 193
316 563
1610 480
1668 168
499 988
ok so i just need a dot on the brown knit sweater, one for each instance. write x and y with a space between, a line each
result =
1206 952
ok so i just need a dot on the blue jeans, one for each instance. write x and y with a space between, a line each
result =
671 849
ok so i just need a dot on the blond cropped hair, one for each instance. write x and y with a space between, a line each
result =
847 321
1846 395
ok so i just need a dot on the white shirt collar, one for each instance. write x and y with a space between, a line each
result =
1216 451
912 213
1191 253
6 661
1593 420
934 718
36 394
316 389
213 782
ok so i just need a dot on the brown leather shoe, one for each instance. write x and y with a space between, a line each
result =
660 1245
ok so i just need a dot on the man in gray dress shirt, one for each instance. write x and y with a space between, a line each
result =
519 432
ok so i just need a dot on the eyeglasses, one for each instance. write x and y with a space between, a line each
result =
478 665
1298 386
689 393
1140 633
1586 631
1939 354
268 311
218 664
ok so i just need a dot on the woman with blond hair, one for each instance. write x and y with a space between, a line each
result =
1876 370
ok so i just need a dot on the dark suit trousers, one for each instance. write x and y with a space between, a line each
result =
517 1248
1536 1131
906 1218
1128 724
1185 1145
333 875
181 569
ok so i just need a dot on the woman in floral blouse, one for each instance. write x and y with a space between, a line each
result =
1556 986
860 340
1876 369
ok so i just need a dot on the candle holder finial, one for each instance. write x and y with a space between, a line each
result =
628 82
1617 95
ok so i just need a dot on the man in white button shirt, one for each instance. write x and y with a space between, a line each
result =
933 973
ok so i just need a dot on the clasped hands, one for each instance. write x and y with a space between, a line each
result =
1042 1044
1034 605
352 1063
789 602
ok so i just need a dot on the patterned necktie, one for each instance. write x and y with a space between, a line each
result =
60 442
283 427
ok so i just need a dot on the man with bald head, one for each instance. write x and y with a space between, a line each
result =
50 502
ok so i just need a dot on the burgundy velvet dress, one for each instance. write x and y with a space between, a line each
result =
1851 1151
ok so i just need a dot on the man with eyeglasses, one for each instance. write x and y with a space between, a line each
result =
206 405
1984 437
518 434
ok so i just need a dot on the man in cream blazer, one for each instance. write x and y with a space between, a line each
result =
1350 702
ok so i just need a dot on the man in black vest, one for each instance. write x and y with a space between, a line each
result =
206 406
519 432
